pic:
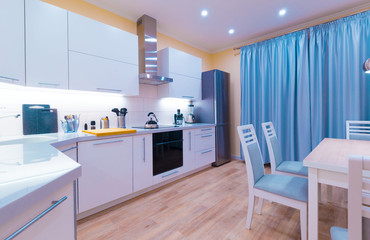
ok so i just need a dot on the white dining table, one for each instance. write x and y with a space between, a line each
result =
328 164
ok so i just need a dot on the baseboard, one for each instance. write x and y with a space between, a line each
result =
236 157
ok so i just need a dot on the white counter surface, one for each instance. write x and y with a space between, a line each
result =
31 168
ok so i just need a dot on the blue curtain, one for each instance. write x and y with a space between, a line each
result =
340 90
275 87
307 84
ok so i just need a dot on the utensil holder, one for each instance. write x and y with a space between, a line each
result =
70 125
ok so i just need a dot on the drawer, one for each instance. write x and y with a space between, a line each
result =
167 175
204 141
203 158
204 130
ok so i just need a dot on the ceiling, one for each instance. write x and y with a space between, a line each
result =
250 18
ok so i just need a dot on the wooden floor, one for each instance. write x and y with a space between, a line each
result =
211 204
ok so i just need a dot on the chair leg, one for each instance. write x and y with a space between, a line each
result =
250 211
303 218
260 204
319 195
329 193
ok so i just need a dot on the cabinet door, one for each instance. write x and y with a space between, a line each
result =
181 87
70 150
12 67
189 150
143 162
99 39
92 73
184 64
205 157
106 171
46 45
58 224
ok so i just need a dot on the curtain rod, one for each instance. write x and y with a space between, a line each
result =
305 27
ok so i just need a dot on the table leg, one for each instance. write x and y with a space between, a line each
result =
313 206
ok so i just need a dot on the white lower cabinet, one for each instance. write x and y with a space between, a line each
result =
143 161
205 146
106 171
58 223
189 150
69 150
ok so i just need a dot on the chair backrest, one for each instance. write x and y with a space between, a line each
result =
252 154
358 197
273 145
358 130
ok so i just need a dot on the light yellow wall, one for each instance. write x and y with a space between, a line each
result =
89 10
229 62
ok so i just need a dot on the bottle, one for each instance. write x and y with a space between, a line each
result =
93 127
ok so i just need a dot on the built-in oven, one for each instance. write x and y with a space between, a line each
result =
167 151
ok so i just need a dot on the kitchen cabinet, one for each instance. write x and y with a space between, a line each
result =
142 161
186 71
98 74
106 171
46 45
69 150
204 146
101 57
98 39
12 57
189 150
58 223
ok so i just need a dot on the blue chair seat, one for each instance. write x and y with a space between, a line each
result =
338 233
295 167
284 185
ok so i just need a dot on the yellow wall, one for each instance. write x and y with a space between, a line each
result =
225 60
229 62
89 10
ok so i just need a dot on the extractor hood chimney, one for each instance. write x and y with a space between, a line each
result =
147 33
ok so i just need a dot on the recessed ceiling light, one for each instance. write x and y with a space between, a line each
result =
282 12
204 13
231 31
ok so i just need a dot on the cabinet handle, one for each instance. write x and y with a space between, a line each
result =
206 151
49 84
204 136
174 141
108 142
206 129
55 204
163 176
68 149
189 141
12 79
187 96
144 149
109 89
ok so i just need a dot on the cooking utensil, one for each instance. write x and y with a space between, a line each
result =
115 110
151 123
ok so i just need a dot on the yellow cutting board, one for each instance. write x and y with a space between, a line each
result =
109 131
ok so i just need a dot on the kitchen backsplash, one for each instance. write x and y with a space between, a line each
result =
91 106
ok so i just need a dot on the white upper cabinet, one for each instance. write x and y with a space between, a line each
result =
186 71
101 57
99 39
46 45
98 74
12 62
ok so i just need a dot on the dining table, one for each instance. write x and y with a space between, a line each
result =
328 164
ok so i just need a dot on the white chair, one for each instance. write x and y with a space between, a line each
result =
278 165
287 190
358 130
358 201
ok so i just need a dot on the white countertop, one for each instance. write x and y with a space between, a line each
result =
31 168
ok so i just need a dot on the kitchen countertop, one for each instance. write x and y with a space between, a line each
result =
31 168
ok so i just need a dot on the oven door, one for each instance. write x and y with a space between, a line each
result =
167 151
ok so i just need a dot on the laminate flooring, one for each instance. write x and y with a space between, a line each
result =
211 204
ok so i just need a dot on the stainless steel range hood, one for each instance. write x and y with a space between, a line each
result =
147 33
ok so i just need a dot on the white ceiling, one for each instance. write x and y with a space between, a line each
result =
250 18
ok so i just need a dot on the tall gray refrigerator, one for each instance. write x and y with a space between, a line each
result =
214 108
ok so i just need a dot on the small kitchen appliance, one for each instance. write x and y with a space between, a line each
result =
178 118
190 118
